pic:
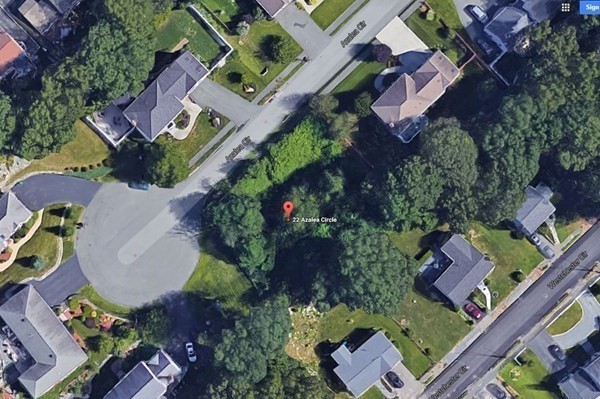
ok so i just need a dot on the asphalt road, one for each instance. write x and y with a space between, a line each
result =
517 320
39 191
140 246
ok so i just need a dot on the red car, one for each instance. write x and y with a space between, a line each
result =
473 311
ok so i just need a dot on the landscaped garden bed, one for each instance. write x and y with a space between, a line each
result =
530 380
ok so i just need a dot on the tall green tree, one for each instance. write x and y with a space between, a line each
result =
166 164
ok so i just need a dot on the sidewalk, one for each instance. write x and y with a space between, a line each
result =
491 317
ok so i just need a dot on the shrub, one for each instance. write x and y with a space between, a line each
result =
518 276
68 231
99 165
76 169
259 14
362 104
37 262
430 16
73 304
242 28
382 53
84 168
87 310
248 18
68 213
91 166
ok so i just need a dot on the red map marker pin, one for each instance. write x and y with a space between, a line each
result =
288 207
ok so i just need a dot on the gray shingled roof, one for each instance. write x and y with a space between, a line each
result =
507 22
536 209
13 214
584 383
162 100
55 352
360 369
272 7
147 380
469 268
540 10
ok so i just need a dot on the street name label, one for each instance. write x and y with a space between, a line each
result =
568 270
352 35
245 143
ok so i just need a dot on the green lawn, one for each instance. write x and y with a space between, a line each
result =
180 25
69 242
91 295
446 10
564 230
431 33
361 79
226 10
507 254
529 380
251 59
340 322
84 331
44 243
86 149
216 279
330 10
432 323
201 134
567 320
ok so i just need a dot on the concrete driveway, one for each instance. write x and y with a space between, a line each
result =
224 101
304 30
475 28
540 346
42 190
587 325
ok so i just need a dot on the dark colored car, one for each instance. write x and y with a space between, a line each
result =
473 311
496 391
139 185
547 252
557 352
394 380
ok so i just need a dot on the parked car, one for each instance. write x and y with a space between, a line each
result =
547 251
191 354
479 14
535 239
496 391
139 185
557 352
473 311
485 46
394 380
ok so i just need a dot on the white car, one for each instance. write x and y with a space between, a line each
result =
479 14
191 354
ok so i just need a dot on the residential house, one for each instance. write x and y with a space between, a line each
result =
52 352
584 383
504 28
43 14
273 7
467 269
540 10
361 369
11 54
403 103
536 209
148 380
13 215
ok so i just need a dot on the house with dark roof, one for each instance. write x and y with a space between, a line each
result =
154 111
540 10
273 7
151 379
43 14
361 369
536 209
53 353
13 215
504 28
584 383
403 103
467 269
